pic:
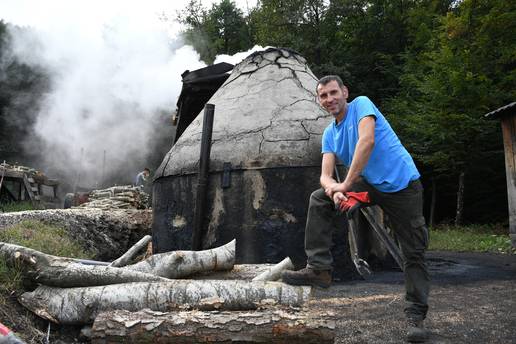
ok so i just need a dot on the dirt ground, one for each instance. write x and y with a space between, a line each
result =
473 300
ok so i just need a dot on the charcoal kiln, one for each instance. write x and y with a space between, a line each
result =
265 162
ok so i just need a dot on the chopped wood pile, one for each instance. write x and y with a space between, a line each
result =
120 298
19 168
118 197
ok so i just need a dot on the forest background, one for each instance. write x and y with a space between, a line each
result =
433 67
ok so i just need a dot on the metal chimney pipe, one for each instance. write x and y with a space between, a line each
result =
202 182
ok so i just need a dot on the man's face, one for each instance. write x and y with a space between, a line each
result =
332 97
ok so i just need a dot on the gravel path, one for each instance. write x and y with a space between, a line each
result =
473 300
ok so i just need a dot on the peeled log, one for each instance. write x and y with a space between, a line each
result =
178 264
82 305
260 326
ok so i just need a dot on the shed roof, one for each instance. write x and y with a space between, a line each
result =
503 111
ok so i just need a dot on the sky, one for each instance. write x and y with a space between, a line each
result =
115 69
89 15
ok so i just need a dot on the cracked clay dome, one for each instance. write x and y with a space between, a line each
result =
265 116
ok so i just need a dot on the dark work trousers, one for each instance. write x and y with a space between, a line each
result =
405 212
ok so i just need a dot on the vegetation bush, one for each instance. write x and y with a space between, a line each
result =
16 206
473 238
39 236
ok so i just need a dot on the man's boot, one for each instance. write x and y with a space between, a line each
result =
308 276
416 332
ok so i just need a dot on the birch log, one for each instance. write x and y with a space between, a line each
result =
260 326
80 275
65 272
274 273
82 305
178 264
126 257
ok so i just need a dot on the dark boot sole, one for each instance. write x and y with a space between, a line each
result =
310 282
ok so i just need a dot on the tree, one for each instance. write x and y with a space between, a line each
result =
448 83
220 30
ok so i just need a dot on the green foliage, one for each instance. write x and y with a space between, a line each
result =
16 206
39 236
221 30
471 239
42 237
464 70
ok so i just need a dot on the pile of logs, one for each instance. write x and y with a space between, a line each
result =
152 301
118 197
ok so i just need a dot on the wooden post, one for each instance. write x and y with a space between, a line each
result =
202 183
509 142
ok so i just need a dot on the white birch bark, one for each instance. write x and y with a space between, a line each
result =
82 305
178 264
66 272
126 257
274 273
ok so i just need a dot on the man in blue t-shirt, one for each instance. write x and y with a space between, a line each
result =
362 139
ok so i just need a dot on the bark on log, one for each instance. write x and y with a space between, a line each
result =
66 272
261 326
245 272
82 305
274 273
178 264
126 257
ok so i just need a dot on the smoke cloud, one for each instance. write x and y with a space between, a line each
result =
113 88
115 76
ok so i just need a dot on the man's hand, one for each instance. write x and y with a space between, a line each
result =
330 189
338 197
341 187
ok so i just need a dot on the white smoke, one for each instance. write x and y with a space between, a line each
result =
113 83
238 57
115 74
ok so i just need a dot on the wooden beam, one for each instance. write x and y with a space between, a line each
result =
509 141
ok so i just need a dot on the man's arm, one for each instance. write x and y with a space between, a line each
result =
363 151
327 180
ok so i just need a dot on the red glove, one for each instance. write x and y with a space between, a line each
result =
355 200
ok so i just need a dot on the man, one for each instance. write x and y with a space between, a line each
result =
377 162
142 177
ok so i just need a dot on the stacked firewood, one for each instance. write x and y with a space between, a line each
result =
118 197
159 299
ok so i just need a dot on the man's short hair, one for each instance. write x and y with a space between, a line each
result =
146 169
328 78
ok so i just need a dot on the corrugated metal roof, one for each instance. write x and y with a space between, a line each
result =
503 111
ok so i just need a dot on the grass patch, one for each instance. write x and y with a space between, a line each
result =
12 207
39 236
474 238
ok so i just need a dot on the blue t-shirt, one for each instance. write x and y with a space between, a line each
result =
390 167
